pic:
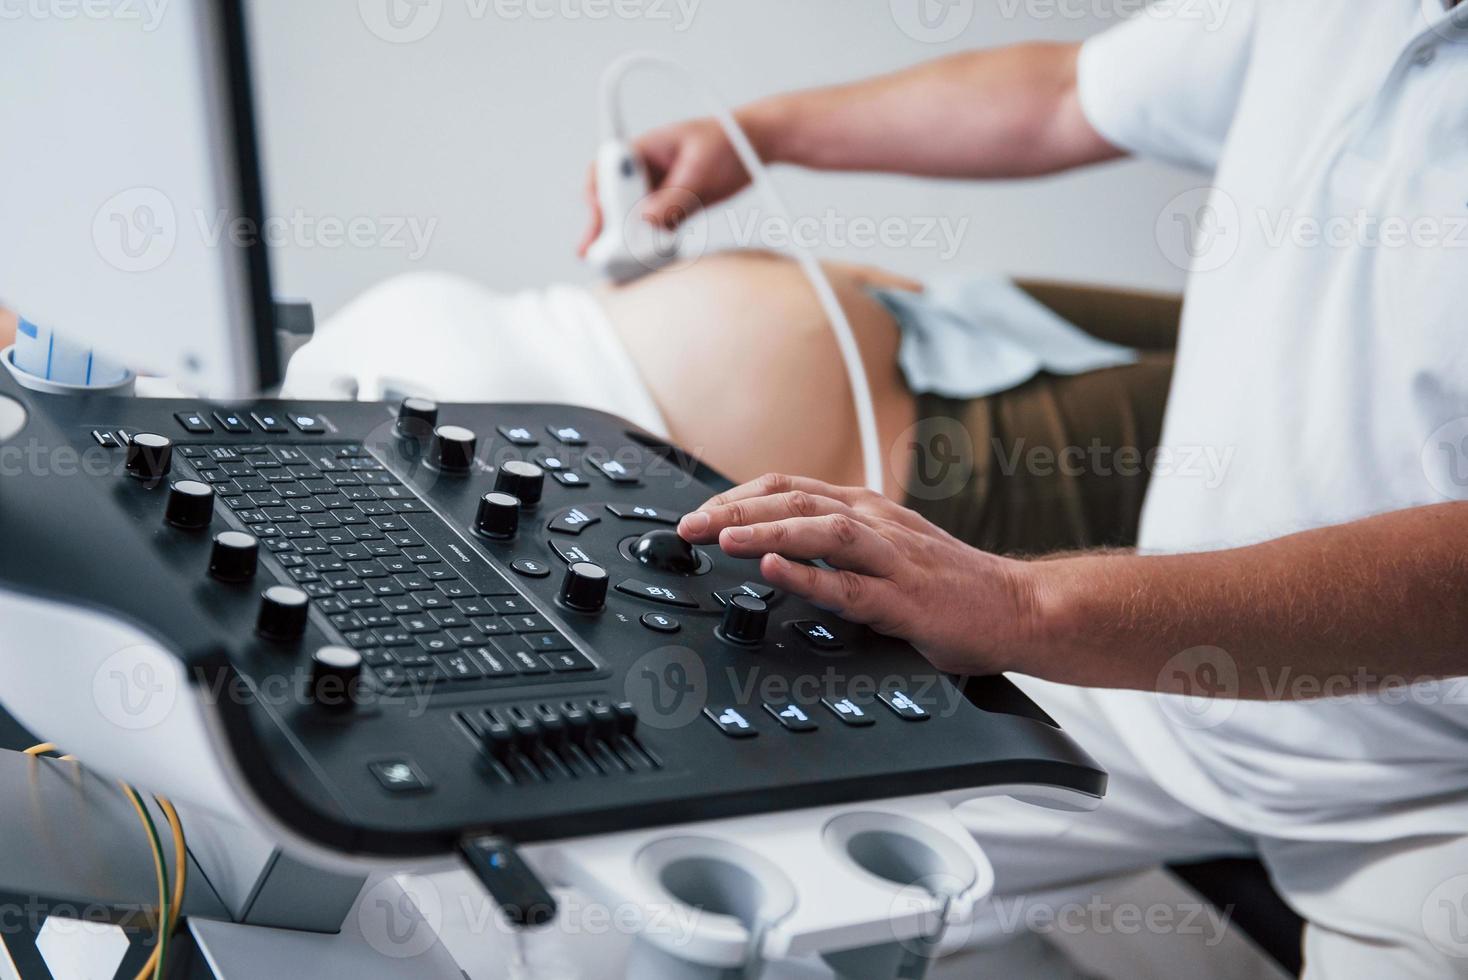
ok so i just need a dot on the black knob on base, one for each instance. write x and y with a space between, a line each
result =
190 504
282 612
336 675
522 479
149 456
453 447
665 551
745 619
235 556
584 587
416 417
499 515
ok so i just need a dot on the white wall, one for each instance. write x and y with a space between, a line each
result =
485 125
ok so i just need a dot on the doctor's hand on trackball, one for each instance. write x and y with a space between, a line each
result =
689 165
891 569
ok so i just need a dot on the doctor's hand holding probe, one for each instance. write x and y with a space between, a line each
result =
1376 597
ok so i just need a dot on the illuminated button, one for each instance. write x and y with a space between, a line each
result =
567 434
569 553
639 512
731 722
519 435
531 567
573 520
268 422
664 594
904 707
849 711
549 462
194 422
399 776
755 590
569 478
232 422
817 634
614 471
309 424
791 716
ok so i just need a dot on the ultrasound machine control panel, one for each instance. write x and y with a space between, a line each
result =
421 621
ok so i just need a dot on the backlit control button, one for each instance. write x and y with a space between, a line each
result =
268 422
567 434
232 422
731 722
816 633
904 706
105 439
399 776
615 471
569 478
550 462
791 716
194 422
660 622
519 435
573 520
657 593
849 711
640 512
309 424
569 553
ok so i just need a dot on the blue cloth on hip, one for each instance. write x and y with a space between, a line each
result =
966 336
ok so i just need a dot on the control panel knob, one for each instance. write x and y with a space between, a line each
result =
453 447
190 504
499 515
416 417
282 612
149 456
745 619
336 673
584 587
235 556
522 479
665 551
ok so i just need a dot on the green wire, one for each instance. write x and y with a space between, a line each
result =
157 843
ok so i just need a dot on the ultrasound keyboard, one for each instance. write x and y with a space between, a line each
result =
418 621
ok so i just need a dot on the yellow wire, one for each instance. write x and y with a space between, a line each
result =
150 968
180 859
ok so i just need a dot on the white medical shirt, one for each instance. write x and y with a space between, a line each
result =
1322 360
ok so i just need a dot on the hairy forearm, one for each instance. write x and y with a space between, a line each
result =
1326 612
1005 112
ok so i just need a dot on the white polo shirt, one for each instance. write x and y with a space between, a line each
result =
1323 362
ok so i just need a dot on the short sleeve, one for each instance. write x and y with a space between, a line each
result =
1166 83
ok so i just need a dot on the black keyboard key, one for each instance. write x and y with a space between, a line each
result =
351 552
449 619
528 624
194 422
460 666
436 643
385 587
568 662
400 604
232 422
432 600
523 660
453 588
342 580
421 623
316 590
548 642
414 583
493 627
335 535
473 607
438 573
393 638
494 663
368 569
359 598
268 422
289 455
359 638
464 636
375 618
348 621
421 556
511 605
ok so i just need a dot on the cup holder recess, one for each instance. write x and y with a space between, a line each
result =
738 895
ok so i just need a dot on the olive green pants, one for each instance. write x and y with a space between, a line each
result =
1060 462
